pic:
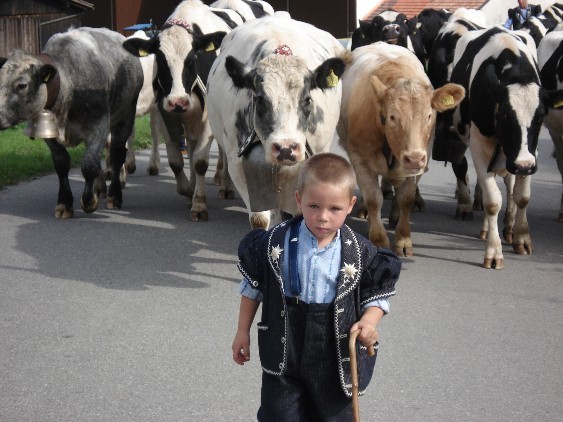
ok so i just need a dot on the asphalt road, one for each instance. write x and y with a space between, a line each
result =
129 315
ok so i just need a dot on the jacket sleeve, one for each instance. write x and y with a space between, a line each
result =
251 253
382 269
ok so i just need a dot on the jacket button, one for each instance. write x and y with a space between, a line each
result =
282 313
283 340
281 365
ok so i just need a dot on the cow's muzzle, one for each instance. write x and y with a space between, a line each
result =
517 170
288 153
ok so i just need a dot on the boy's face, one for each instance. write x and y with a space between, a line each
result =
324 208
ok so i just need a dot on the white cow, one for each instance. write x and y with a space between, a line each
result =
247 9
276 82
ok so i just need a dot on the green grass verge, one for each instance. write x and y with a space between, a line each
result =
22 158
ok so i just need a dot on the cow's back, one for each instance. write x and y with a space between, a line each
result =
95 68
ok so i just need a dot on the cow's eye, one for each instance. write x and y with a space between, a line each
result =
21 86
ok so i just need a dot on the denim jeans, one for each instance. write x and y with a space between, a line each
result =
310 389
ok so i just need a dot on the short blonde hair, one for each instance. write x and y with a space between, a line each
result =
328 168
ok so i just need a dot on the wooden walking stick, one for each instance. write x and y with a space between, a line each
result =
354 373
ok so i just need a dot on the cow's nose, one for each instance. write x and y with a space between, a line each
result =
392 31
414 160
525 163
284 152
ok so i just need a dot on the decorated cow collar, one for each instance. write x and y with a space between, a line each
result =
283 50
177 22
53 82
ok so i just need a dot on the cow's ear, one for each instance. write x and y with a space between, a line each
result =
554 99
139 47
364 25
447 97
2 61
235 69
328 74
47 72
209 42
379 88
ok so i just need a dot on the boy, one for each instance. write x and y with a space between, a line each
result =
518 16
317 281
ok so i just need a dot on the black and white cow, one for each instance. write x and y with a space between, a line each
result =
391 27
429 23
91 84
550 61
247 9
273 98
447 146
181 80
500 118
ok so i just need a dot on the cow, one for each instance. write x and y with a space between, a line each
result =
247 9
391 27
550 62
273 99
429 23
500 119
387 118
91 85
181 83
447 146
146 104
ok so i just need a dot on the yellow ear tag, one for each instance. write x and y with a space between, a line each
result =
448 100
210 47
558 104
332 79
46 78
143 53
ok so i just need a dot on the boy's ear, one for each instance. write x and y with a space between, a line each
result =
298 199
352 203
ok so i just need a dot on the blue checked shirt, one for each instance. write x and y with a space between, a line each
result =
318 271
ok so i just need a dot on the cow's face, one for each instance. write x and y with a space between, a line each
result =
390 27
178 62
282 107
23 92
408 115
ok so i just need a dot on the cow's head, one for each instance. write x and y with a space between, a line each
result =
283 109
407 116
389 26
519 112
182 54
23 91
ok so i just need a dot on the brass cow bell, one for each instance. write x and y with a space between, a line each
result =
43 126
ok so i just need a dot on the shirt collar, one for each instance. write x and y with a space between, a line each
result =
304 231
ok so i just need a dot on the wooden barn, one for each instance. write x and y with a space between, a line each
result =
28 24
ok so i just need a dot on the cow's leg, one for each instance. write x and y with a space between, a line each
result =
61 160
227 189
118 151
91 165
172 133
481 151
478 197
463 210
156 125
405 194
510 213
373 196
199 163
219 169
521 241
558 142
387 188
130 162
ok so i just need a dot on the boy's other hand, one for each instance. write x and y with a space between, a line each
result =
241 347
368 333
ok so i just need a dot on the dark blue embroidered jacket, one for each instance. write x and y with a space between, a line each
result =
368 273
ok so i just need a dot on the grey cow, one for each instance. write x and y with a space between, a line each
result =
91 84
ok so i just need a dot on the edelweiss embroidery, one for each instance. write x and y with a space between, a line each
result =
276 252
349 271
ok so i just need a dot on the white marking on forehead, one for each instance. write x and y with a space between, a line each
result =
525 100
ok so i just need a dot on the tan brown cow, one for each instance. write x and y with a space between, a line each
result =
387 119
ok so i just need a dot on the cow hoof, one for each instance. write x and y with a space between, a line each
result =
152 171
483 235
493 263
131 168
507 235
523 248
217 179
113 204
464 215
199 216
61 211
93 206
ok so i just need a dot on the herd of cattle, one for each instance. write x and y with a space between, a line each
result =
272 91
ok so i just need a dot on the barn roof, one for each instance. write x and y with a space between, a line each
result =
414 7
